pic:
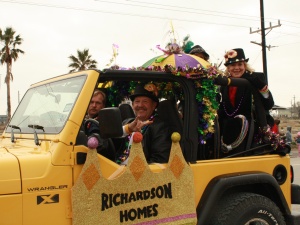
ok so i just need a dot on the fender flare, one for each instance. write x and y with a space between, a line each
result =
218 186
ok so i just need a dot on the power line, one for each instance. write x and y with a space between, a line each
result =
289 34
194 10
198 11
291 22
268 28
150 5
118 13
290 43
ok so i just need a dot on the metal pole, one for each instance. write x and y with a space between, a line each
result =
263 39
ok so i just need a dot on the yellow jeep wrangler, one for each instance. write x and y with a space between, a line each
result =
44 148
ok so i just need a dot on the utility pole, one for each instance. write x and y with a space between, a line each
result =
291 108
294 108
263 37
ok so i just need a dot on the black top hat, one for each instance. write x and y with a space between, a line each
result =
235 55
149 90
199 49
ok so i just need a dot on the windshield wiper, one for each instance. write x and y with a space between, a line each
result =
12 137
34 127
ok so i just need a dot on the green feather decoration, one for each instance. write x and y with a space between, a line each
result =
188 46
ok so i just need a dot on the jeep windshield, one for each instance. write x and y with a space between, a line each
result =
46 108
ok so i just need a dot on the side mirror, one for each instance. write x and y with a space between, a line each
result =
110 122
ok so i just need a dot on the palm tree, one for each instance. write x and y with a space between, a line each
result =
83 61
8 53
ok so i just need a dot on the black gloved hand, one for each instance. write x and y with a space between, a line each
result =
255 81
91 126
221 80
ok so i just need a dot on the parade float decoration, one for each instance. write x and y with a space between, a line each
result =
134 194
175 60
179 63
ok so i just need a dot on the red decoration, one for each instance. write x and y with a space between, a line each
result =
137 137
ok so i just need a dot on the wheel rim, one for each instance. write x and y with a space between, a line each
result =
257 221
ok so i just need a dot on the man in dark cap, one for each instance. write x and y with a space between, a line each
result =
156 133
199 51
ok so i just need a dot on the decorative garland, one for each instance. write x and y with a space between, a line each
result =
266 136
206 93
206 97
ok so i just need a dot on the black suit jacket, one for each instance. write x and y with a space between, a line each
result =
157 142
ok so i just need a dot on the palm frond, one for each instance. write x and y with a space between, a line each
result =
83 61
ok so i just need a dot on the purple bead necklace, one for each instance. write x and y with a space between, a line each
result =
235 111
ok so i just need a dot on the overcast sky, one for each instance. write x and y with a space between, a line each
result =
54 30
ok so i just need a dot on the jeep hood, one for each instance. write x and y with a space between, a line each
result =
10 181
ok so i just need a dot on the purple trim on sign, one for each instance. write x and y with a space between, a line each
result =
170 219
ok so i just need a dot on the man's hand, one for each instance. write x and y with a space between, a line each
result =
137 124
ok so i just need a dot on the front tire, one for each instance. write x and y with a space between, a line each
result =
247 209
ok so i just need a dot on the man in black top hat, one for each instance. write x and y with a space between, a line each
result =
156 133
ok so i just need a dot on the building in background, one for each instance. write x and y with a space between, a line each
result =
280 111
